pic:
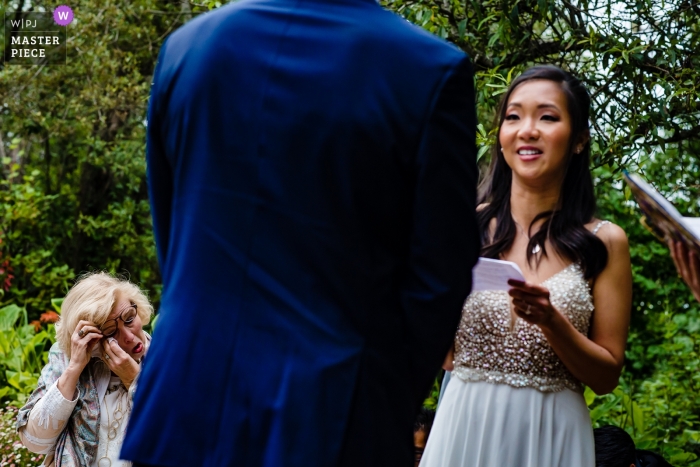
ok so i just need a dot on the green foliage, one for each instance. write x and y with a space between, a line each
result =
12 452
28 219
432 399
657 401
73 193
23 353
660 414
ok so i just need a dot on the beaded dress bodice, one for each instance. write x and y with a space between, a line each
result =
486 349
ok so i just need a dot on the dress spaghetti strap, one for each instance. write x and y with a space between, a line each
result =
598 226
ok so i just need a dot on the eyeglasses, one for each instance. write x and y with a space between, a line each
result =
109 328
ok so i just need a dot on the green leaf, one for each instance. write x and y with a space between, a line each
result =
462 26
482 151
56 303
8 316
589 395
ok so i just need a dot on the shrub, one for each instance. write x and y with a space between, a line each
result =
12 452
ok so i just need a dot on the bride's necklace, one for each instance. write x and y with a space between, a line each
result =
114 425
535 249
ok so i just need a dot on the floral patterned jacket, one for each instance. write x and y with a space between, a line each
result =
66 431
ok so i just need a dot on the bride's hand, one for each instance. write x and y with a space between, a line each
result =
531 302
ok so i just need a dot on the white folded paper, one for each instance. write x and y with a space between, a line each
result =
493 274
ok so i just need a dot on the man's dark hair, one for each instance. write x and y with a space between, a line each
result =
424 420
613 447
651 459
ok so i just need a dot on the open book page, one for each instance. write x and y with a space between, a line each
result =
662 218
692 224
493 274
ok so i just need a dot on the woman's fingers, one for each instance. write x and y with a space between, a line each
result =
694 267
519 284
682 255
520 292
85 327
693 279
523 295
531 301
114 354
108 353
108 357
537 311
519 305
531 316
539 299
687 264
86 335
84 345
120 362
93 339
86 339
90 336
528 288
113 345
672 247
83 340
526 306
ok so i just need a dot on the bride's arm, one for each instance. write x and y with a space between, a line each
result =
596 360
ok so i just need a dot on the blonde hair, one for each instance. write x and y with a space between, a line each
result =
92 298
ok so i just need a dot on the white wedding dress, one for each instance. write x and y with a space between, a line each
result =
510 400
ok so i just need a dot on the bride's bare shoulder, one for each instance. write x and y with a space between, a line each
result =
612 234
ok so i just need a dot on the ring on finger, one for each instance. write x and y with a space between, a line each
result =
81 333
527 310
106 357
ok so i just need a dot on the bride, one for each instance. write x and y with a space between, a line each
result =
521 358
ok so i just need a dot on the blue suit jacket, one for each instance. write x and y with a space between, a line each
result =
312 177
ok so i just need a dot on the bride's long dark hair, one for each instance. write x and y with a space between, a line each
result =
565 225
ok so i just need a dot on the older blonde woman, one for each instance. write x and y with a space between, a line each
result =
78 413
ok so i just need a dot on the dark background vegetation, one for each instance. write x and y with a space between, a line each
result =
73 195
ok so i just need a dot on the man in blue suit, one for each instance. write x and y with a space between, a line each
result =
312 173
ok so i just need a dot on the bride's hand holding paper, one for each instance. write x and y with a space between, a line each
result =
496 274
531 302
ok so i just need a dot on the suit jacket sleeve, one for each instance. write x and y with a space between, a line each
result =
160 176
445 240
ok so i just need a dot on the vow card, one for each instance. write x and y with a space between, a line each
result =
493 274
